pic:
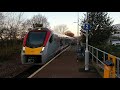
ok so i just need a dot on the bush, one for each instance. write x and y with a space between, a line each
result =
111 49
7 48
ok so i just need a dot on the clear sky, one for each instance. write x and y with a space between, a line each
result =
68 18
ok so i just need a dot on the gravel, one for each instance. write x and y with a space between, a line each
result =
12 67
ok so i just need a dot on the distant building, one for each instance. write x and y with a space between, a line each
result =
116 33
115 42
115 36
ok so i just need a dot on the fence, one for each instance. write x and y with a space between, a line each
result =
100 58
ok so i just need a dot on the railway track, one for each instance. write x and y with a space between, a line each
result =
28 72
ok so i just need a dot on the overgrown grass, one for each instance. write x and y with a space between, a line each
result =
112 49
7 51
98 69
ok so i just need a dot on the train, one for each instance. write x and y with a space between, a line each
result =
42 44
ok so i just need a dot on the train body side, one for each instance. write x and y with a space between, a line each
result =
39 51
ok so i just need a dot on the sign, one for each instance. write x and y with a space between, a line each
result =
87 26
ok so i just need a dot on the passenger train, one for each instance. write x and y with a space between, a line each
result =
41 44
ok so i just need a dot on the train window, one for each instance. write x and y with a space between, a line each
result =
61 42
51 39
36 39
55 37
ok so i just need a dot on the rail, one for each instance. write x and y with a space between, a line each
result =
99 57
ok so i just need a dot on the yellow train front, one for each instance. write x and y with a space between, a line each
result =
39 46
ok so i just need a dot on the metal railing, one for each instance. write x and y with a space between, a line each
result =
99 57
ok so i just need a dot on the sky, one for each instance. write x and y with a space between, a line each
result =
68 18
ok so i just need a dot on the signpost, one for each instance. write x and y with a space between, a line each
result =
87 28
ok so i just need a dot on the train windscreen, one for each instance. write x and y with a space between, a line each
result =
36 39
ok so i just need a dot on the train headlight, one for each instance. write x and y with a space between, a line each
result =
43 48
23 49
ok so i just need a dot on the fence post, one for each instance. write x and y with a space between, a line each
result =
104 57
92 53
109 70
97 57
118 66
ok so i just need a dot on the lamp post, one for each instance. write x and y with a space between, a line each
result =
86 51
78 31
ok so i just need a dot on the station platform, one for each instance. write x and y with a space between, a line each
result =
67 66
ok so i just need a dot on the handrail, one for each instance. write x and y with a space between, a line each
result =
116 60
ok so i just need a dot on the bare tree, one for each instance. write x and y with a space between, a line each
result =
61 28
40 19
2 18
13 24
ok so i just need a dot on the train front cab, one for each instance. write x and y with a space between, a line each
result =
34 47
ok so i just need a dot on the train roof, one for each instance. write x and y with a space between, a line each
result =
52 31
38 29
61 35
